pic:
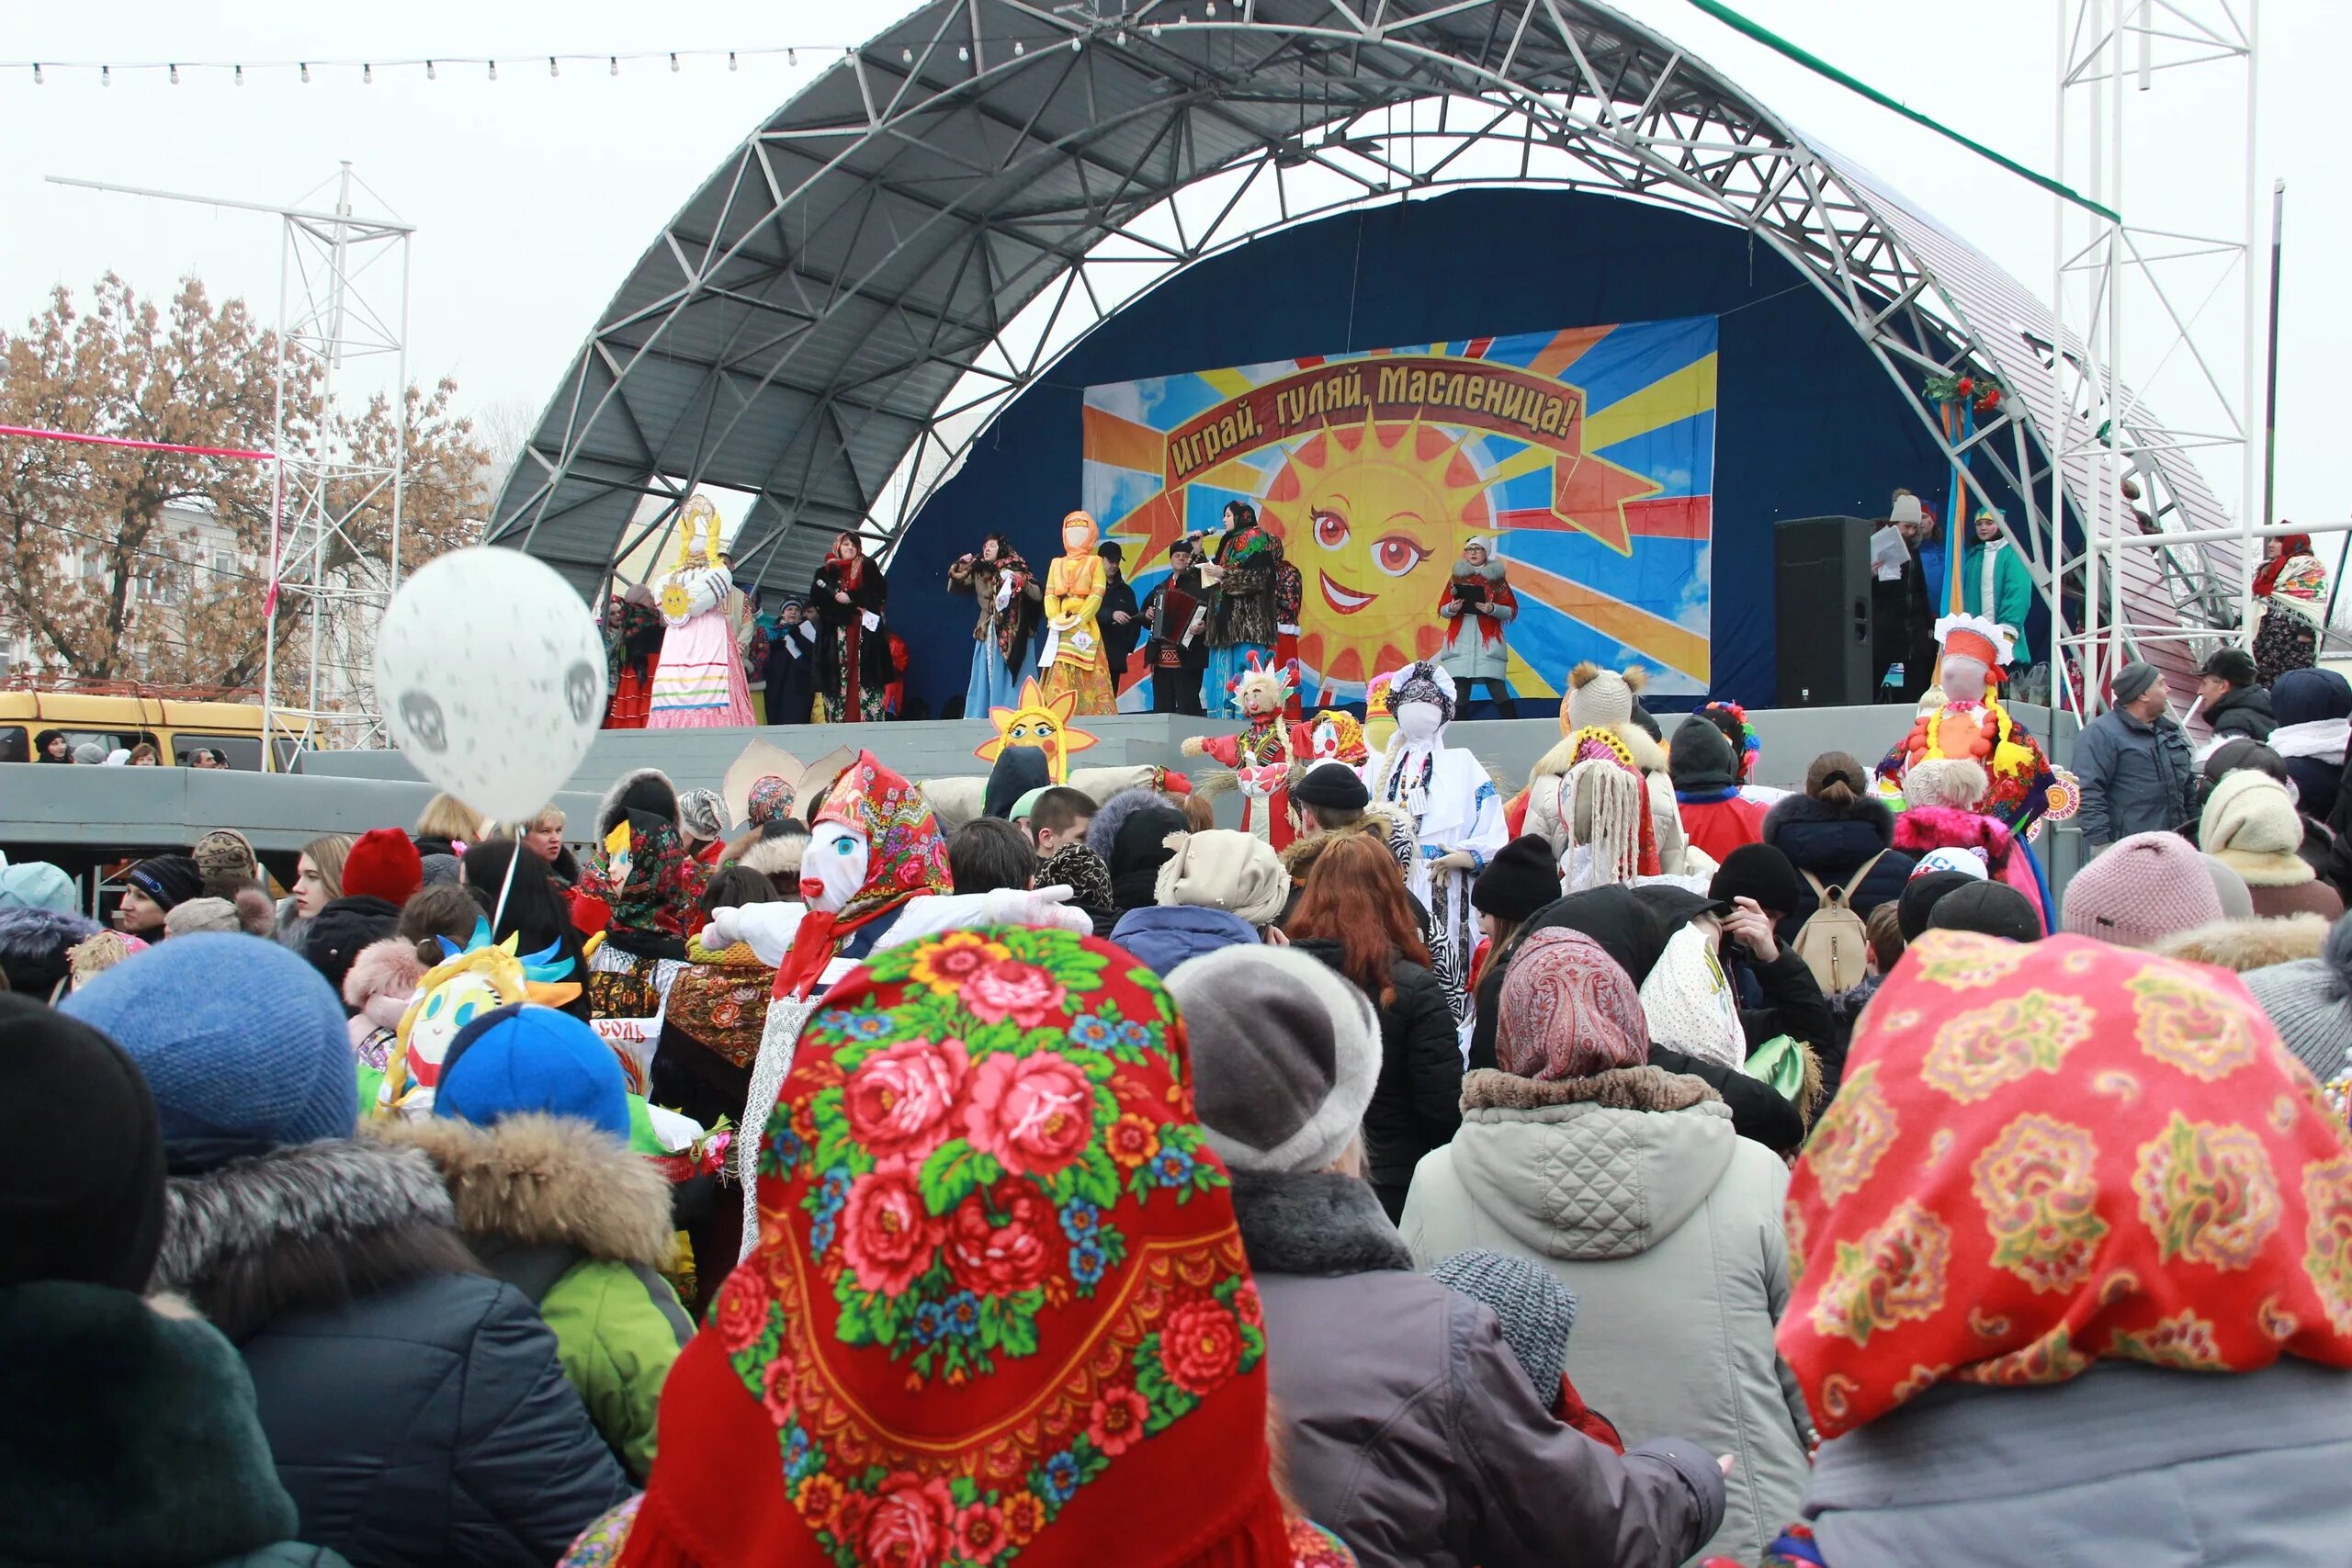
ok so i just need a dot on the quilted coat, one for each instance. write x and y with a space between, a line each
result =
1409 1429
1632 1189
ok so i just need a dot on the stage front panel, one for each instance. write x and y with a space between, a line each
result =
1584 457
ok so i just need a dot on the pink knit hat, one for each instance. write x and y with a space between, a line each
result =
2141 890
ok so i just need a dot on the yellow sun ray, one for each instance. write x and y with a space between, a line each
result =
1040 722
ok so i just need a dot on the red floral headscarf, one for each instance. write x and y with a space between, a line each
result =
2053 1153
905 857
1000 1311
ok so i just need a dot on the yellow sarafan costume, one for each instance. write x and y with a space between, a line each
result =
1074 585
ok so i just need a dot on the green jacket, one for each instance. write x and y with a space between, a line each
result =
2012 593
581 1225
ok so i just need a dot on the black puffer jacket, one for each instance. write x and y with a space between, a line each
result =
2243 710
415 1407
1417 1104
1832 843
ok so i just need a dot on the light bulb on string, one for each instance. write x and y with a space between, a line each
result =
366 74
306 70
494 70
551 66
430 74
614 60
175 75
106 75
241 76
730 60
674 64
963 53
792 57
1020 48
37 76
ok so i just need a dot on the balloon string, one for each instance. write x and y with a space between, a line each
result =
504 887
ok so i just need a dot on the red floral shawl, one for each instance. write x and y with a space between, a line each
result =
2048 1155
999 1312
2266 578
905 856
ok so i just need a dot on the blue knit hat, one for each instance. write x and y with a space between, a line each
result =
522 1058
238 1037
35 885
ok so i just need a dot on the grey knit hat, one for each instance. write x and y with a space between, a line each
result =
2131 681
1286 1052
1536 1310
441 870
2309 1003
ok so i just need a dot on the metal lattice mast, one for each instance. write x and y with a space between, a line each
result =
2157 297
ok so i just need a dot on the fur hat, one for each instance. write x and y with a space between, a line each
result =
1285 1054
639 789
202 915
2141 890
2244 944
383 977
1221 869
33 945
1598 696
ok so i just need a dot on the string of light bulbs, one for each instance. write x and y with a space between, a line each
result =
432 65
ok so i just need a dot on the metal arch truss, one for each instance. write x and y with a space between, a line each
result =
918 236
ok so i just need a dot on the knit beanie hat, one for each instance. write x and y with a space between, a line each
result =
226 859
2237 899
1332 785
440 871
35 885
1285 1054
167 879
2251 826
1520 880
2309 1003
33 945
1699 756
202 915
2141 890
1536 1309
383 863
1598 696
1141 843
1994 909
1757 871
238 1037
1922 894
89 754
82 1188
523 1058
1220 869
2132 682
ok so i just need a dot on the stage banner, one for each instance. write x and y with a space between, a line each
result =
1585 458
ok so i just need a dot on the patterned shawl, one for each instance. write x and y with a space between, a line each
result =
2045 1155
906 856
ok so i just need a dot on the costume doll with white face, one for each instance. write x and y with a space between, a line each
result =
1457 815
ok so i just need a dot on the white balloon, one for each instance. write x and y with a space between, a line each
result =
492 673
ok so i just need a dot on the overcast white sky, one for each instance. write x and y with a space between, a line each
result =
534 196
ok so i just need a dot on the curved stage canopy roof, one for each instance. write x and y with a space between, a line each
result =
916 237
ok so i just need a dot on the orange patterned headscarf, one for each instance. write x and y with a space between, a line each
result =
2053 1153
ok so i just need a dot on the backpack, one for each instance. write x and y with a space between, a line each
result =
1833 941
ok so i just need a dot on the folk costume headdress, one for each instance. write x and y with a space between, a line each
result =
906 857
1605 802
1971 734
2048 1155
999 1312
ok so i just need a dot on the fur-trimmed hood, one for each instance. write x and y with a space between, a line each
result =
2243 945
771 857
2280 868
540 1180
309 1226
639 789
1315 1222
1299 856
1920 829
1492 571
1792 810
1619 1088
1103 832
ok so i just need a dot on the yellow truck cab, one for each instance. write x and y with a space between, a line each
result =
177 728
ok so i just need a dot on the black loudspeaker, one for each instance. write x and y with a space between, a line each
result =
1822 597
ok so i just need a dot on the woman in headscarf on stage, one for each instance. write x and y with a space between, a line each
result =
848 597
1074 660
1009 594
1241 578
2292 587
632 646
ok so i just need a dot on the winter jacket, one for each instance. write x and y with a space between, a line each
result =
2136 777
1417 1104
567 1215
2012 602
1412 1433
424 1419
132 1439
1632 1187
2124 1464
2314 697
1545 781
1832 843
2242 711
1164 935
1921 829
1719 821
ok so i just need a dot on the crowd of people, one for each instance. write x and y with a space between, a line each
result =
1648 1167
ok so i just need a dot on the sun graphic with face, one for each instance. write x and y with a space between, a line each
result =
1373 516
1040 723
